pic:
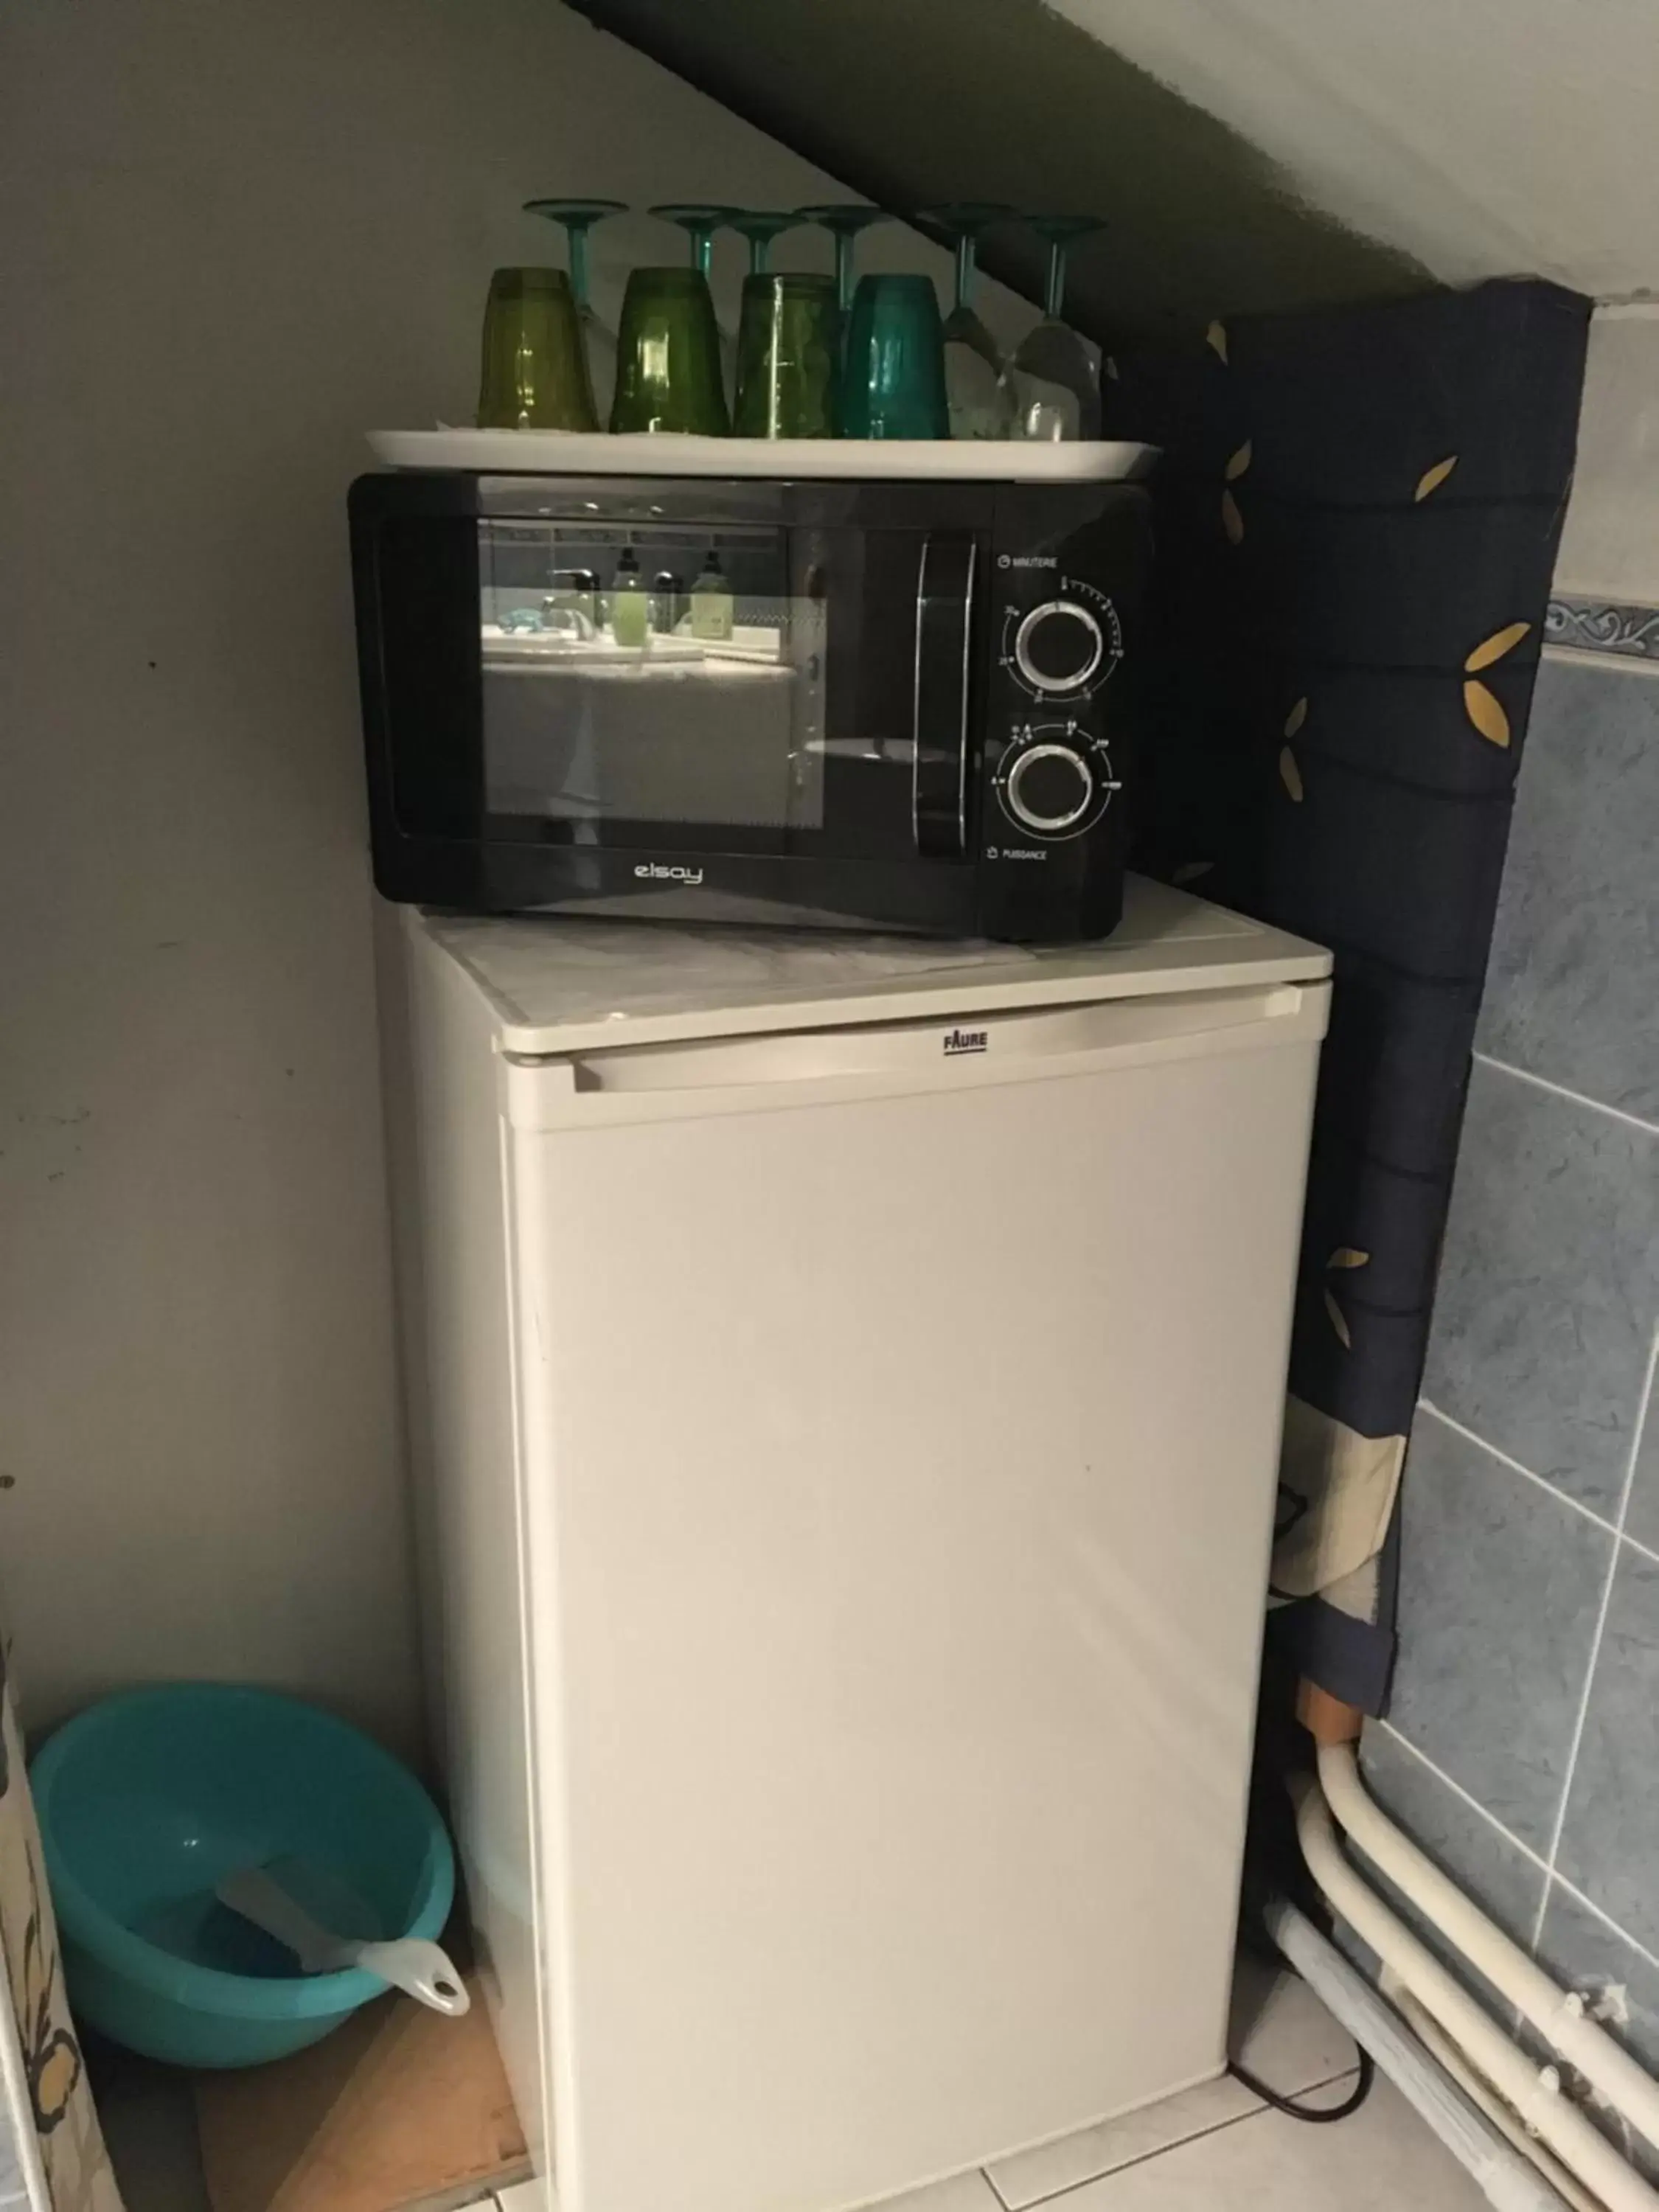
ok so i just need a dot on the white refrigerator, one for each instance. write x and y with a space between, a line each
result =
846 1381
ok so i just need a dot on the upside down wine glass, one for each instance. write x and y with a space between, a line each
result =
699 220
1056 379
760 226
578 217
975 371
843 220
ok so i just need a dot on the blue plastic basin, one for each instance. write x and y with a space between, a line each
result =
147 1800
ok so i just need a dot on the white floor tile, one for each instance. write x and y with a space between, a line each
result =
1279 2031
1031 2175
1282 2034
524 2196
1380 2159
963 2192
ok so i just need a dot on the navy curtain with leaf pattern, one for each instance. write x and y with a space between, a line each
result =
1358 510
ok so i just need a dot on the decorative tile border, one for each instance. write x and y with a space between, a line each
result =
1601 626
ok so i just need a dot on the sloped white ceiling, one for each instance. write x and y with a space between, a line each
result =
1484 138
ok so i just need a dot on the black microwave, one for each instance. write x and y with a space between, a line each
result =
887 704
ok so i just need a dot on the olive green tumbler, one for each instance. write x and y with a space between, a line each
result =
668 356
789 349
535 370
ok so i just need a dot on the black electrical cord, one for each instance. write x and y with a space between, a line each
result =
1318 2115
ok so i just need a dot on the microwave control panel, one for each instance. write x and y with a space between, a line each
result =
1058 737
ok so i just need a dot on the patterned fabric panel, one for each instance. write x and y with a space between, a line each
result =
1357 517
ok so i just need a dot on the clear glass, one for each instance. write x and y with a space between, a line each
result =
595 712
1056 373
578 218
976 379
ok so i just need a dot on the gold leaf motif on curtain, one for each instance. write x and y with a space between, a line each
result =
1231 520
1215 339
1295 717
1431 479
1345 1256
1239 463
1485 711
1290 774
1338 1323
1495 646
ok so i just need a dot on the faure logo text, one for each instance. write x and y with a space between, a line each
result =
958 1041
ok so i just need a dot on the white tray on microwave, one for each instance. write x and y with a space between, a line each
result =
595 454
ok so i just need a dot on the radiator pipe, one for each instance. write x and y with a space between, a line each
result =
1533 2093
1505 2177
1559 2017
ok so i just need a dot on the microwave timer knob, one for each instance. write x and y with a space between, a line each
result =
1059 646
1049 788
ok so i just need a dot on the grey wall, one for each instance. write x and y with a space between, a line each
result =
1522 1744
236 235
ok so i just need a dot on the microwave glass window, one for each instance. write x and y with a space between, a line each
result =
653 676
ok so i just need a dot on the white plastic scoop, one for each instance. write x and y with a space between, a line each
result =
408 1962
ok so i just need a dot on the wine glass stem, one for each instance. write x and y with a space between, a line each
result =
965 256
844 268
758 255
577 234
1054 293
702 250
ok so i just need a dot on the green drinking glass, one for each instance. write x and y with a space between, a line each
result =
893 372
535 369
577 217
668 356
788 343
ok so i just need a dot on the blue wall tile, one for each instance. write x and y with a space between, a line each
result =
1500 1587
1548 1285
1610 1841
1481 1857
1571 986
1642 1519
1583 1952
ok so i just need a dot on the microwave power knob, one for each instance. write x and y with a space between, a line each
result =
1050 788
1059 646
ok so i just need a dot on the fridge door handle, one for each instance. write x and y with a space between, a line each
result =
945 579
757 1072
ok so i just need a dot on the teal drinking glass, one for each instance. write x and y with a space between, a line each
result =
893 371
668 356
788 344
534 374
